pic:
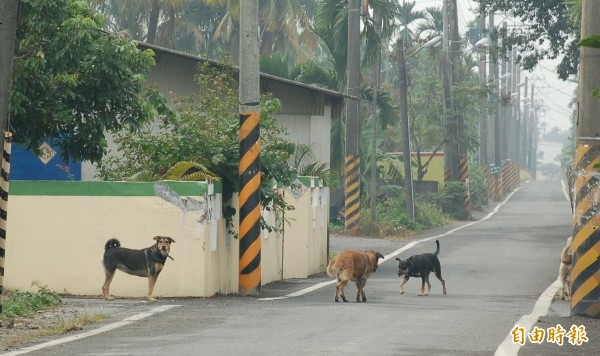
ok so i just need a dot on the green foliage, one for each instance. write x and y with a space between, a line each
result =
72 82
549 23
203 134
26 304
393 220
590 41
477 187
450 200
189 171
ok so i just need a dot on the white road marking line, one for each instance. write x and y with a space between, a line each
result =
508 347
397 252
93 332
541 307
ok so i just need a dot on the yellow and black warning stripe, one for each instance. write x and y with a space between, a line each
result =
352 194
463 175
249 171
585 275
4 183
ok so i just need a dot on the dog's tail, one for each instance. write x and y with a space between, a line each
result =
437 250
111 243
332 269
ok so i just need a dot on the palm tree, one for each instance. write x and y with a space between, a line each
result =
409 19
183 25
284 24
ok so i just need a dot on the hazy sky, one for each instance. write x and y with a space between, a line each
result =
554 93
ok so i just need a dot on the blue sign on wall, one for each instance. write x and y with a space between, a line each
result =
25 165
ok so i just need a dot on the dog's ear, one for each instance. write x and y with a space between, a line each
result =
379 255
171 239
410 260
156 238
398 259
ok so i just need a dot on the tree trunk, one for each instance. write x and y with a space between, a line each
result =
376 70
9 12
153 22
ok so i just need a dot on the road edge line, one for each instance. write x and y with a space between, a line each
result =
100 330
397 252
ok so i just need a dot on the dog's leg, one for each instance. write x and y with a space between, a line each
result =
342 285
403 283
106 285
423 285
151 283
428 284
438 273
439 276
360 286
339 289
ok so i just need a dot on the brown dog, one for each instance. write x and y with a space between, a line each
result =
147 262
564 271
353 266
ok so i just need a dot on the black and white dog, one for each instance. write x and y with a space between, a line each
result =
147 262
421 266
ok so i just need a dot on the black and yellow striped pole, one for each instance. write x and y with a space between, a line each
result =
4 175
352 194
585 275
249 168
352 108
463 175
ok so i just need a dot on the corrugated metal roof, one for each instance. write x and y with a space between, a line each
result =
264 75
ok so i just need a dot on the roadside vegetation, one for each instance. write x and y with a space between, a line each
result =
26 304
23 307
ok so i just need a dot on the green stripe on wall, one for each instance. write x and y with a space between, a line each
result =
72 188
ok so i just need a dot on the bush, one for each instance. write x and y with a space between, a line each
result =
26 304
450 200
393 220
478 188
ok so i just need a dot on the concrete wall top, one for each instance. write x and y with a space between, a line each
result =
77 188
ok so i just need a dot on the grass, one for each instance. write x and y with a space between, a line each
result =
26 304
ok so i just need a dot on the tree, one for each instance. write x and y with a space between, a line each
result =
284 24
549 32
206 131
183 25
72 82
9 11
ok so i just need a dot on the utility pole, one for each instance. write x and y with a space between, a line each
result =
504 117
458 118
9 12
525 126
408 181
514 86
517 109
532 161
352 172
494 78
449 128
586 244
375 75
249 166
493 90
483 105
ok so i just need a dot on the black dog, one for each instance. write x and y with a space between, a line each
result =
147 262
421 266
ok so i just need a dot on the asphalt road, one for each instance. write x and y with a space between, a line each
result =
495 268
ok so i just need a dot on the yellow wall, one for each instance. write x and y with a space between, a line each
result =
58 240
